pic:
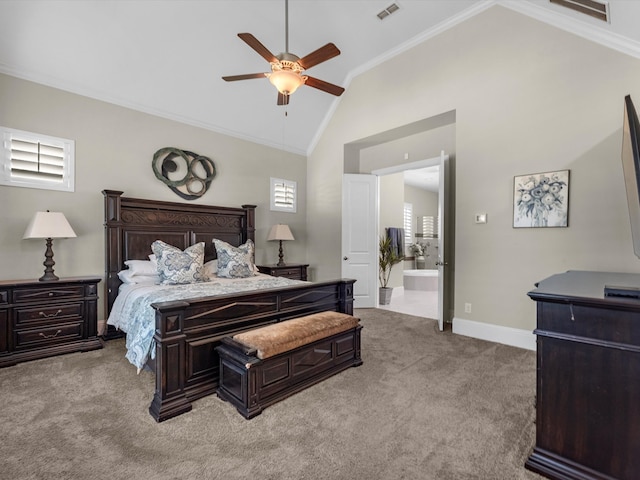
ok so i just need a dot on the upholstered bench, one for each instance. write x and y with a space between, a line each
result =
263 366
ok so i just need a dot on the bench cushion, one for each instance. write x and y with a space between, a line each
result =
284 336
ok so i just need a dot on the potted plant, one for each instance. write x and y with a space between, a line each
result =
388 257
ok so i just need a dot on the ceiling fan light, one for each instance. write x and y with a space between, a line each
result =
286 81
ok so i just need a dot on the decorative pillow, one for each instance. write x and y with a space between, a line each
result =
176 266
235 262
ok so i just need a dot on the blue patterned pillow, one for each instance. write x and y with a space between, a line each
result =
176 266
235 262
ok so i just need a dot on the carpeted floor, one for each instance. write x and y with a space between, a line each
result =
425 405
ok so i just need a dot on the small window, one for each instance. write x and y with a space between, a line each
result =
36 161
408 224
284 194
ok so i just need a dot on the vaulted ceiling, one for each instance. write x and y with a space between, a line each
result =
167 57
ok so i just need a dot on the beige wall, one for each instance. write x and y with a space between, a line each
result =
528 98
114 149
391 189
425 203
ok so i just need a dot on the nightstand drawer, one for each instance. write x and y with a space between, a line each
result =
32 295
35 337
293 273
48 314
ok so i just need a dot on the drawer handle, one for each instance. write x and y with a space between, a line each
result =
52 315
50 336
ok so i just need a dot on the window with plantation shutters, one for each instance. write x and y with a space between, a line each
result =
283 195
36 161
429 227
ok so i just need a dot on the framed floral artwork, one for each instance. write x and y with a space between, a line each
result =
541 200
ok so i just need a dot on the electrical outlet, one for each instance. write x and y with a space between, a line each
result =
467 308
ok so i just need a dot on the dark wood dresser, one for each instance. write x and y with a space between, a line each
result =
296 271
42 319
588 377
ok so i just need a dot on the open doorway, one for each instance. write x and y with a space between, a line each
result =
414 187
415 283
385 151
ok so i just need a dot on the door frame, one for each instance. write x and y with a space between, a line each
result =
445 294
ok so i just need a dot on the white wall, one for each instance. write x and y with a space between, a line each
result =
528 98
114 150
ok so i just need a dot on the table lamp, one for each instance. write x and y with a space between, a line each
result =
280 232
49 225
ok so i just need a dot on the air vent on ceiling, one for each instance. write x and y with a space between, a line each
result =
388 11
594 8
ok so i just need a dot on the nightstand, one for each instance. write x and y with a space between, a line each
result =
43 319
296 271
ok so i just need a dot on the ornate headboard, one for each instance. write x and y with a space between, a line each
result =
132 225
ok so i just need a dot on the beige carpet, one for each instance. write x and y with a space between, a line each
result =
425 405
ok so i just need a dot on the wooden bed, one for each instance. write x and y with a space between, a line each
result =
187 332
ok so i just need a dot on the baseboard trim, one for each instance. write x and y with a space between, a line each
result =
514 337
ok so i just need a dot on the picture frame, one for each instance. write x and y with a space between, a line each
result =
541 200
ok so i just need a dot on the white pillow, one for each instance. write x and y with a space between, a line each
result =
141 267
211 269
235 262
127 276
176 266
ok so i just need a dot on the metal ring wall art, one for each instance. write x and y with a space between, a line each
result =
198 171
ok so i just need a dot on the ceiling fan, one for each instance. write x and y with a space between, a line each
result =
287 69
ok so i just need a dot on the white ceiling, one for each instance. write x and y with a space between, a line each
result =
427 178
167 57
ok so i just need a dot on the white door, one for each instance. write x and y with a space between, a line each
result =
443 266
360 237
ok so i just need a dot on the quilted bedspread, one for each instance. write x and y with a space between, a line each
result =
132 312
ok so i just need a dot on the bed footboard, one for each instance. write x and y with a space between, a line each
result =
187 333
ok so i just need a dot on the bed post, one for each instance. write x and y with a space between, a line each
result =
113 252
169 399
250 218
346 296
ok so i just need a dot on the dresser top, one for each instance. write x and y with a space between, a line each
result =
35 282
578 284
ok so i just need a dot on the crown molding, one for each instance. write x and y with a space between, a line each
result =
584 30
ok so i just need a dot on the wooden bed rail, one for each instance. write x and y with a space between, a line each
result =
187 333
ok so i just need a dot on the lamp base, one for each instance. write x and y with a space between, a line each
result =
280 257
48 276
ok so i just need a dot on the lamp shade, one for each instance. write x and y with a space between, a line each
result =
286 81
280 232
49 225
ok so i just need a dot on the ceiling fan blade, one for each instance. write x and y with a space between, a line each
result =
254 43
318 56
283 99
324 86
246 76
